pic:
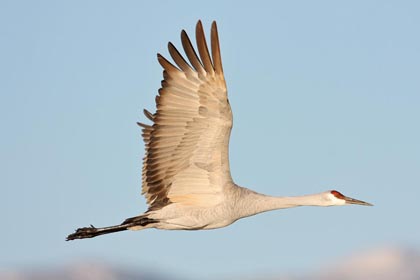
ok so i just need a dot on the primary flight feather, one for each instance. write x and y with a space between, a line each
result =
186 177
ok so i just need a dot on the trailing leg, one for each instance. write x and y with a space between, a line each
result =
138 222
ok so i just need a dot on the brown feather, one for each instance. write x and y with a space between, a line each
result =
202 48
191 54
149 115
179 60
191 127
215 49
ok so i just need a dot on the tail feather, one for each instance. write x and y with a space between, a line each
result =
89 232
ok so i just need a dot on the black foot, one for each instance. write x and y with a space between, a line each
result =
86 232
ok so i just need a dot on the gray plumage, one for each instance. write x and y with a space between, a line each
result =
186 176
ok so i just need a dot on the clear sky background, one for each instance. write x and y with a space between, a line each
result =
325 94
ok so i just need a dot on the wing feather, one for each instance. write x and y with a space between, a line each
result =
215 49
179 60
202 48
191 54
186 157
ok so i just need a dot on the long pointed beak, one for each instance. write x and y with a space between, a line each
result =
350 200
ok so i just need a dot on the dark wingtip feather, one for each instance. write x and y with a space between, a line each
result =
178 58
190 52
203 49
143 125
166 64
215 49
149 115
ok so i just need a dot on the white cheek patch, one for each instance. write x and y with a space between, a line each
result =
336 201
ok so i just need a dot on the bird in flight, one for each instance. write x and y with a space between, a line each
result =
186 176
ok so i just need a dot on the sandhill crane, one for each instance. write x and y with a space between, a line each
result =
186 178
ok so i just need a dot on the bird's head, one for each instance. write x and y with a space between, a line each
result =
337 198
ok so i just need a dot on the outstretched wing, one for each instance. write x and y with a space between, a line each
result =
187 145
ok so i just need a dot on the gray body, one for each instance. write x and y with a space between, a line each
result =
186 175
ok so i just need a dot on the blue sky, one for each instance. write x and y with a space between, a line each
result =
325 94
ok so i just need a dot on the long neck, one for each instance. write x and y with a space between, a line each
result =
253 203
